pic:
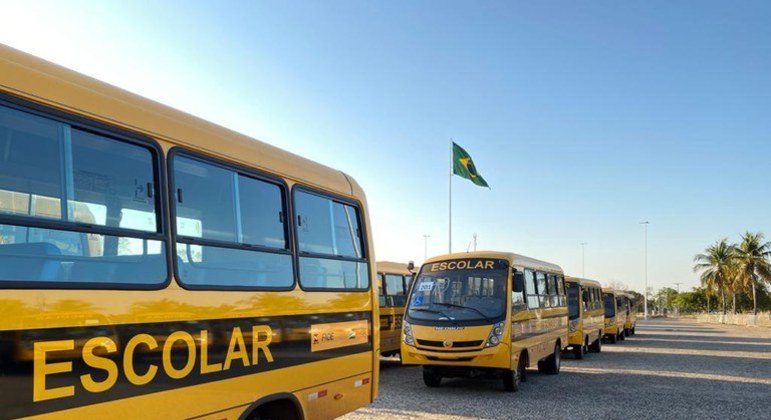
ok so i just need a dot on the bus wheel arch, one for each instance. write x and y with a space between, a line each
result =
276 406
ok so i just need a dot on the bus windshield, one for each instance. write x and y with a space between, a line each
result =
610 309
573 300
475 294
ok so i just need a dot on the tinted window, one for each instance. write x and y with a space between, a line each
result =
261 213
327 227
221 215
109 177
102 182
321 273
532 295
329 235
540 279
610 307
395 289
205 194
30 165
573 300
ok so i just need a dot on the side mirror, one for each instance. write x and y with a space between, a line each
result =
519 282
411 265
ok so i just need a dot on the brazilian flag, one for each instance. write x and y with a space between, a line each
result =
463 166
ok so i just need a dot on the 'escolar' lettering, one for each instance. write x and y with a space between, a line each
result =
179 351
463 265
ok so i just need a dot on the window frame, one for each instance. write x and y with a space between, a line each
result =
363 234
239 169
159 184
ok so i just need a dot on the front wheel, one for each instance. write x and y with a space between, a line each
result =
614 339
431 379
633 330
510 380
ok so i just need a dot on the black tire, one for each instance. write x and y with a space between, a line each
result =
510 380
522 366
598 348
621 335
552 363
579 351
633 329
614 339
431 379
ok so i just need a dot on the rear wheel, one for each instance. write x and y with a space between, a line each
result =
431 379
614 339
633 330
552 363
621 335
579 351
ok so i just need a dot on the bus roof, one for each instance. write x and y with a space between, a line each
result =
583 282
40 81
393 268
513 259
610 291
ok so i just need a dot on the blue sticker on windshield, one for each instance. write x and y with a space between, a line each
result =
417 300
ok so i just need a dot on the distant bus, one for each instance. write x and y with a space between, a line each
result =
491 314
153 264
585 316
394 280
631 314
615 316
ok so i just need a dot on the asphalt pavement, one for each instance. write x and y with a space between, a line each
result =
672 369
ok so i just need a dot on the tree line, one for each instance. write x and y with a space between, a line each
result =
733 271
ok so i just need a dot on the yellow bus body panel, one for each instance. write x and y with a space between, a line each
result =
32 79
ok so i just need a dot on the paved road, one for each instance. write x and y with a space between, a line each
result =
669 369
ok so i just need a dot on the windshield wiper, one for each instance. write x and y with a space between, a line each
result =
433 311
452 305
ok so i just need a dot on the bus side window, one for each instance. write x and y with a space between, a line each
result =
530 290
543 293
518 290
561 291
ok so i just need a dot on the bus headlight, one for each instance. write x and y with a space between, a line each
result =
495 335
408 339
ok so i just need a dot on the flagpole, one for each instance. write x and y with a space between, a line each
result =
449 242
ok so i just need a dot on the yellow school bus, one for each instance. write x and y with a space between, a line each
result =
585 316
394 280
155 265
631 314
615 315
485 313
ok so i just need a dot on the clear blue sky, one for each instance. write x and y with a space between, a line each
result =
584 118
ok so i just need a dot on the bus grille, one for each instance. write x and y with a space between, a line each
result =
455 344
459 359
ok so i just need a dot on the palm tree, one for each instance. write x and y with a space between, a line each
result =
752 263
710 289
716 266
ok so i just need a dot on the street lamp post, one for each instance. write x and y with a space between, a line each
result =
583 259
425 246
645 228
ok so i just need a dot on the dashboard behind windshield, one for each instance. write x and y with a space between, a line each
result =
460 290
